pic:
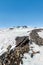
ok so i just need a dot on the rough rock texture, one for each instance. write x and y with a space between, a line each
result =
14 57
34 37
21 41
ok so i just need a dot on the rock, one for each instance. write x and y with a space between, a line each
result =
21 41
34 37
24 26
9 47
0 62
14 57
32 55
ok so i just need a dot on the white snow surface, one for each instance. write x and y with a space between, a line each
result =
7 37
37 58
41 34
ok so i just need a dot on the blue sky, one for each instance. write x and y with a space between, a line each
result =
21 12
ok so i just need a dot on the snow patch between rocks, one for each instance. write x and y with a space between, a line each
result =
37 58
41 34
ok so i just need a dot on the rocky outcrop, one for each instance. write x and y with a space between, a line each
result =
21 41
34 37
14 57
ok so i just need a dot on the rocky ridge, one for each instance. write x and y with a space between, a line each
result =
14 56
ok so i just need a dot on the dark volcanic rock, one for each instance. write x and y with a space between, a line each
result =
21 41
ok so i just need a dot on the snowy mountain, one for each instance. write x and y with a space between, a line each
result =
35 35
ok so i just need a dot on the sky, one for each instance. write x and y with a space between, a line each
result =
21 12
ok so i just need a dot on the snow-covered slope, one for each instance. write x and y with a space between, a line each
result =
37 58
7 37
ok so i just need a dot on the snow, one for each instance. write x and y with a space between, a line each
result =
41 34
37 58
7 37
35 47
